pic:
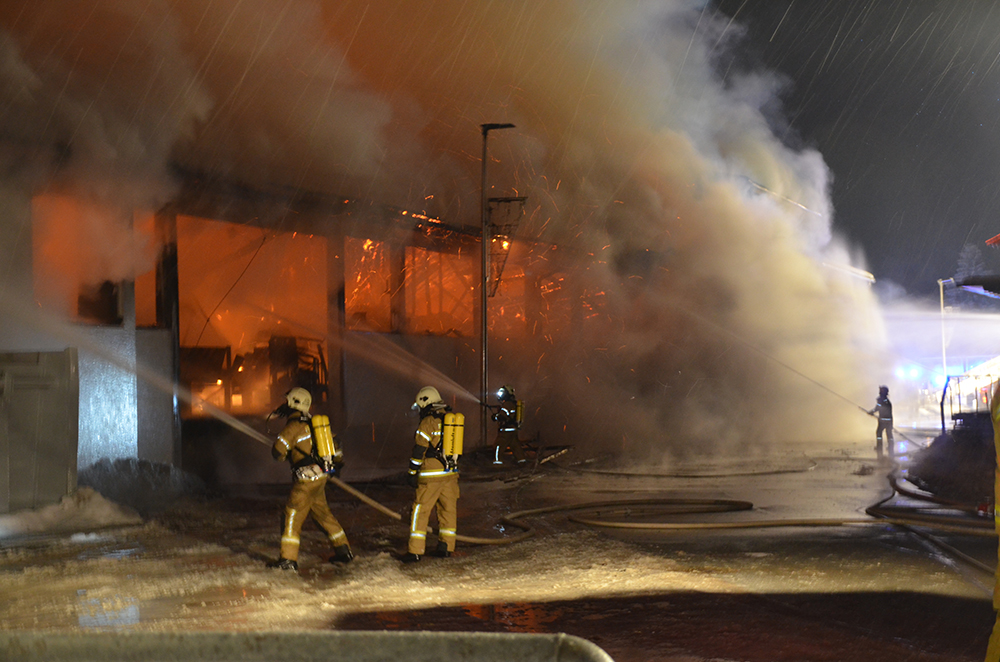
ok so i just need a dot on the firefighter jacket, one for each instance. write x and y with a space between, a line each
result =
295 444
308 496
506 416
884 408
427 459
995 416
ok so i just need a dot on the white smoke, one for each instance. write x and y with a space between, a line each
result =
722 328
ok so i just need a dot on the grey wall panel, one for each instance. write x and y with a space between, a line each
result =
158 427
108 399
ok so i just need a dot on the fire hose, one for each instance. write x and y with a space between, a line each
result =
985 528
364 498
879 515
527 530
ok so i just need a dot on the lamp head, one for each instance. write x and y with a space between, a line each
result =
490 127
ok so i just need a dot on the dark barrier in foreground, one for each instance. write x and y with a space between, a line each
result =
298 647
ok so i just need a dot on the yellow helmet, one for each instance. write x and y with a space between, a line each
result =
427 397
299 399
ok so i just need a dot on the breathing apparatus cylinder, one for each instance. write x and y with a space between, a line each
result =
326 444
453 434
519 412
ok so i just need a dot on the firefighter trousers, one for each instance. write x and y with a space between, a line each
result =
308 498
508 439
993 648
443 494
884 425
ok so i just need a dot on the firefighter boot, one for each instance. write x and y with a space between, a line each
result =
283 564
442 550
410 557
342 554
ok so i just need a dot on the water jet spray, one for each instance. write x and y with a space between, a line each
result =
387 355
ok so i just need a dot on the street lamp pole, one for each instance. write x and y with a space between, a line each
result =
944 357
484 282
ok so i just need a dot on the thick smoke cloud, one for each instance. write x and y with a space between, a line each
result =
96 95
691 241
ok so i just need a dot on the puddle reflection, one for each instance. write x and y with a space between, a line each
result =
106 613
510 616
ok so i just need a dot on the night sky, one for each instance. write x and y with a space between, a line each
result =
902 98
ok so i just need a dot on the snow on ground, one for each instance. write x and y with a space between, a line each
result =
200 565
84 510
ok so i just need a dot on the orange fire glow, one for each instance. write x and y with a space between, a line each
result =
78 244
439 291
239 285
368 297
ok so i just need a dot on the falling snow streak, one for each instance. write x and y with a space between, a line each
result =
902 99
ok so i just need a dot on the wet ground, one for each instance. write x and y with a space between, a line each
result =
854 592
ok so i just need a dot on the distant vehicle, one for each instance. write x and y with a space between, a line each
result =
966 399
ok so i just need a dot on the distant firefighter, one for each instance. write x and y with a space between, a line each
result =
313 453
508 416
434 474
884 408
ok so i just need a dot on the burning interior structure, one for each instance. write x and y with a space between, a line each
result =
252 292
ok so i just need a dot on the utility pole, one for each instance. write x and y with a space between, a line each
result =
484 283
944 357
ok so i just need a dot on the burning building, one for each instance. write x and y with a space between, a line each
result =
237 196
252 292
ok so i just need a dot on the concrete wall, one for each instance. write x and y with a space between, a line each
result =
119 416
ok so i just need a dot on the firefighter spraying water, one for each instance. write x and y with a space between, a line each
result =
508 414
884 408
434 474
308 444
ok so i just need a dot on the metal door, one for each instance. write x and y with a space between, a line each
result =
39 426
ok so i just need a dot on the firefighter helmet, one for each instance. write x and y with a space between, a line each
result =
299 399
428 396
883 390
506 393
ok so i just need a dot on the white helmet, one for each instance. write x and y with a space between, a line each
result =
506 393
426 397
299 399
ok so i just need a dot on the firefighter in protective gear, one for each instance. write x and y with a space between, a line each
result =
298 443
435 477
993 649
508 420
884 408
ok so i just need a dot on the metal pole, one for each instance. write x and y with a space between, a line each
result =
944 356
483 285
